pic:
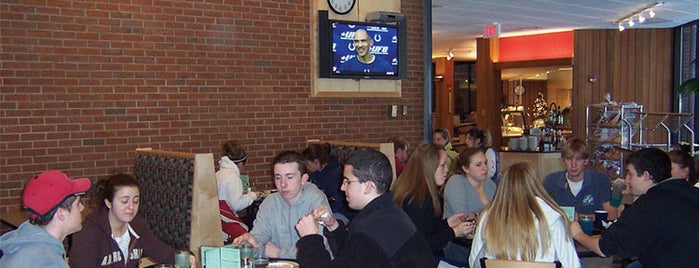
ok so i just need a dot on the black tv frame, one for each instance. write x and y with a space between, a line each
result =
325 54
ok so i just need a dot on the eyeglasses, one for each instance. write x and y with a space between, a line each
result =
346 182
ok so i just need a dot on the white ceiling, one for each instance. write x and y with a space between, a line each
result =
457 23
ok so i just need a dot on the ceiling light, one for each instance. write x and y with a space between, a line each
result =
638 14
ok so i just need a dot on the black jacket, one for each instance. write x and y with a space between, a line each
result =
380 235
435 230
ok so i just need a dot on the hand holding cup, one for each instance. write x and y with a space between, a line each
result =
456 219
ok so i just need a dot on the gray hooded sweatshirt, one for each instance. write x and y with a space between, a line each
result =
31 246
276 220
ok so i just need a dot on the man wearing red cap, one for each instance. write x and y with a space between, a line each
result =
52 200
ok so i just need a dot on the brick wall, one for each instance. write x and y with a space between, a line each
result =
85 83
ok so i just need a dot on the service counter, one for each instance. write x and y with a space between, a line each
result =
544 162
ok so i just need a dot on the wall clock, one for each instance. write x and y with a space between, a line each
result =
341 6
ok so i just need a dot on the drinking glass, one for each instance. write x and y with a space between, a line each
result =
586 223
260 260
246 254
182 259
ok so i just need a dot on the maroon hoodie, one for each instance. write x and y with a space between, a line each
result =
94 247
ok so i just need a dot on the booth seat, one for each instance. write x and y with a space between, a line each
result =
179 197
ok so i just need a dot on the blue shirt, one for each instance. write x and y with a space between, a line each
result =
595 191
378 65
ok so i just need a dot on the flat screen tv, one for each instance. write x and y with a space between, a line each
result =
343 48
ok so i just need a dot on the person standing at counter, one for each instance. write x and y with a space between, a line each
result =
659 228
52 200
273 228
480 138
586 190
114 234
442 138
231 195
468 191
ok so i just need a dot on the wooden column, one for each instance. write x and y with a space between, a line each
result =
488 92
444 94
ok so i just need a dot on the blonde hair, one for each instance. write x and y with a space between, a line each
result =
416 182
515 207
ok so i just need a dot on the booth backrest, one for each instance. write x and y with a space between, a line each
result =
179 197
342 150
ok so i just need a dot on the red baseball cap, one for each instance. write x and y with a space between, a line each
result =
46 191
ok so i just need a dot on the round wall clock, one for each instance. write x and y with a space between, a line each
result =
341 6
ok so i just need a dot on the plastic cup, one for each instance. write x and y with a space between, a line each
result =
586 223
182 259
617 189
600 215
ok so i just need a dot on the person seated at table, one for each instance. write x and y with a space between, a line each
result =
52 200
325 172
279 212
416 191
380 235
659 227
400 151
480 138
586 190
442 138
683 166
468 191
231 195
114 235
521 203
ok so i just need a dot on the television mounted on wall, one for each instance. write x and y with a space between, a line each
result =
343 47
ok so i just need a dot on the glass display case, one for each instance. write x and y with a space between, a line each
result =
611 131
513 123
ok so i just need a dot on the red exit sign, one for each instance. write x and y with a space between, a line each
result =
491 31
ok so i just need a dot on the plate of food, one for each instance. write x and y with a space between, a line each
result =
283 264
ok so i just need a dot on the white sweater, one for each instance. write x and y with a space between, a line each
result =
230 187
561 248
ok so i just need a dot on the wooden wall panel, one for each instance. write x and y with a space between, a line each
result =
634 65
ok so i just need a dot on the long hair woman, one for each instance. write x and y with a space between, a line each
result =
521 203
114 235
416 191
468 191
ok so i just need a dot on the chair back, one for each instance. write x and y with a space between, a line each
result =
494 263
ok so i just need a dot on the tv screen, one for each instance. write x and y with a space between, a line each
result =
360 50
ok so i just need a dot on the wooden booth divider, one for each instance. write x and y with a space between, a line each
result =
179 197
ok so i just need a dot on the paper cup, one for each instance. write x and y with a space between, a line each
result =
600 215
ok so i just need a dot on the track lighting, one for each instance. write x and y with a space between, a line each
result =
638 14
